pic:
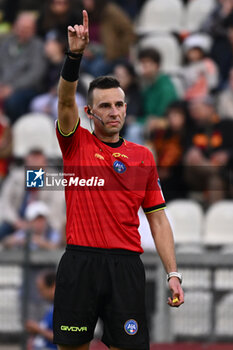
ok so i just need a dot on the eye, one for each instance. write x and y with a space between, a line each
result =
120 104
105 105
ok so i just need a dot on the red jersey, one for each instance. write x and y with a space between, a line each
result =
114 180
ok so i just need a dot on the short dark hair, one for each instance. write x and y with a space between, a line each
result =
103 82
49 277
150 53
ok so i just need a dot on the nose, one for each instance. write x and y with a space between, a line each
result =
114 111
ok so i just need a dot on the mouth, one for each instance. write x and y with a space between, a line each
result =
113 123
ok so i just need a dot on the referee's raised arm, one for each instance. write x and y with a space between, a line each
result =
78 38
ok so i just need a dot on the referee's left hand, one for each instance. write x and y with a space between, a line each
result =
177 292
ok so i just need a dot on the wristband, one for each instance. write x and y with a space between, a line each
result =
174 274
70 69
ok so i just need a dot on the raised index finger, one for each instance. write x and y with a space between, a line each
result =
85 20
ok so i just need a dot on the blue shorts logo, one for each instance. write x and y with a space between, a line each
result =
35 178
119 167
131 327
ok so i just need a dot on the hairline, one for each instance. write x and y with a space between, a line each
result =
90 98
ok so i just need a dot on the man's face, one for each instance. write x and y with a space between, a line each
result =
201 112
24 27
148 68
110 106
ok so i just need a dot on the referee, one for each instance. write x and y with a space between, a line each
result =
101 274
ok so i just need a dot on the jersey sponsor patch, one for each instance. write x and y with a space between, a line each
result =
131 327
119 167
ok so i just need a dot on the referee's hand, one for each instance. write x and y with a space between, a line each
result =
78 35
177 292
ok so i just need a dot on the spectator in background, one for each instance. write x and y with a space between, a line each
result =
131 7
47 102
42 235
16 199
215 22
225 99
111 36
22 66
158 90
56 16
209 152
10 10
200 73
42 332
169 147
126 75
5 145
222 50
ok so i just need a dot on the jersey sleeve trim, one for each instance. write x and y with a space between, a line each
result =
155 208
70 133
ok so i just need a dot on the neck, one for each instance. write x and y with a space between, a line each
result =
107 138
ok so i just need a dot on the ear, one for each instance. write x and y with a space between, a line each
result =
87 111
125 109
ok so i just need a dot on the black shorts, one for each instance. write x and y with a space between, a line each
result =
96 282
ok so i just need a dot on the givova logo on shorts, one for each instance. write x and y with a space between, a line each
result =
131 327
73 329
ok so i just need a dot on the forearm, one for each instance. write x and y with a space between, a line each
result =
67 107
47 334
163 238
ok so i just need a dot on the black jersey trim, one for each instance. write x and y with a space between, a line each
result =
155 208
70 133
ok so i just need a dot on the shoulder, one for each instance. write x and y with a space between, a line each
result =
140 149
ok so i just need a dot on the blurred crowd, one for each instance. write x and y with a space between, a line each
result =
178 81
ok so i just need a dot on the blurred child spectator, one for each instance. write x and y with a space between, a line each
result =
225 99
128 79
22 66
54 52
200 72
42 235
111 36
57 15
157 89
42 332
169 146
5 146
15 198
209 152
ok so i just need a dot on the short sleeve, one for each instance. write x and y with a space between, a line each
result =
70 142
154 199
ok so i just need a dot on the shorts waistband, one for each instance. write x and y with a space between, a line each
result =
84 249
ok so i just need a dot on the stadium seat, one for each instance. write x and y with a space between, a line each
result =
218 224
224 316
160 16
35 130
168 47
223 279
196 12
186 218
194 317
10 276
10 315
196 278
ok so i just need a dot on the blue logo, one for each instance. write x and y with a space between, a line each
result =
131 327
119 167
35 178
